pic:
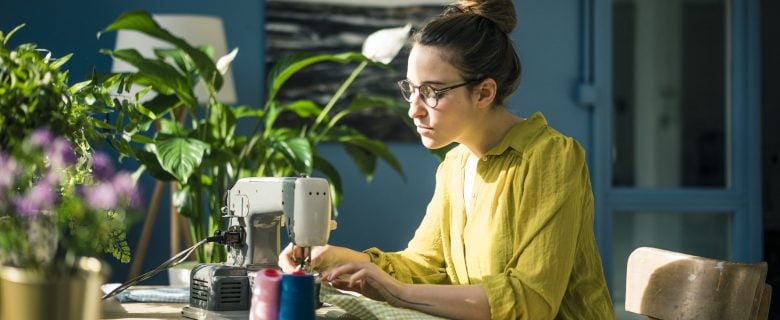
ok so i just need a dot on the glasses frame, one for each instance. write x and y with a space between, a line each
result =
437 92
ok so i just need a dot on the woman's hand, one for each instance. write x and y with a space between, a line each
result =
367 279
289 257
444 300
322 257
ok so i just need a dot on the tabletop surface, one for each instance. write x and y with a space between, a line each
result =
112 309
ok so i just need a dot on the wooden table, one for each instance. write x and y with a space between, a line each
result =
112 309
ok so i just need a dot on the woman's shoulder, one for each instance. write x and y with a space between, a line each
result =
534 134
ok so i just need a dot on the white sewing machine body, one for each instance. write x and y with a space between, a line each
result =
256 209
259 204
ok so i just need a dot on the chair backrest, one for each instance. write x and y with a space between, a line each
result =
664 284
766 298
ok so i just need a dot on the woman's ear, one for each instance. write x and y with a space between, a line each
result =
486 93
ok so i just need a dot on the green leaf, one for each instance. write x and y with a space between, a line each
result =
374 147
362 102
178 56
298 152
100 124
363 159
244 111
181 201
146 112
157 74
143 22
180 156
272 112
123 147
222 122
79 86
174 128
292 63
304 108
141 139
56 64
5 38
161 104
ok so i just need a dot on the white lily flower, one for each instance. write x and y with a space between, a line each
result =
383 45
223 63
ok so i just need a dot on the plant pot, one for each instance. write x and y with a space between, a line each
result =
30 295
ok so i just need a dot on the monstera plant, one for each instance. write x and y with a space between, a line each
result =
199 145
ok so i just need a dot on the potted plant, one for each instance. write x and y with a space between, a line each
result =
198 146
61 205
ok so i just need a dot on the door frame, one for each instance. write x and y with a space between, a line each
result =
742 196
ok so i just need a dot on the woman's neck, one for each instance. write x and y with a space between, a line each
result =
489 132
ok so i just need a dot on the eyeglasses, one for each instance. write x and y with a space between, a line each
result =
429 94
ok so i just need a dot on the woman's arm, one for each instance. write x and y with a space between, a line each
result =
449 301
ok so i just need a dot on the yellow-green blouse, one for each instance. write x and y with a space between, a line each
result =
529 237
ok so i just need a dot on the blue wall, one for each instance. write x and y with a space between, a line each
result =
71 27
383 213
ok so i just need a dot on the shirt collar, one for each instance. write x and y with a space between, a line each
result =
521 134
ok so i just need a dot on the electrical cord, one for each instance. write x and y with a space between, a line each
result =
232 236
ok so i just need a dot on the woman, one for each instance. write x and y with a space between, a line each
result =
509 231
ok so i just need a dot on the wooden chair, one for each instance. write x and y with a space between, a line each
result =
663 284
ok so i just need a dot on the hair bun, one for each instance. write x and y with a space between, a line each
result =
501 12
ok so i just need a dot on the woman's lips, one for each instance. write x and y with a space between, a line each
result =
423 129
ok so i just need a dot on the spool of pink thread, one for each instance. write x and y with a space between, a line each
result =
265 295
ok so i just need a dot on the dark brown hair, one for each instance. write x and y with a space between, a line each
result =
474 37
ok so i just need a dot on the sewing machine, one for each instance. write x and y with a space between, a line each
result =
257 208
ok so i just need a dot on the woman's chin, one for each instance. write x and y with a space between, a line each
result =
432 144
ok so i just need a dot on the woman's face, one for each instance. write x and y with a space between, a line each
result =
452 118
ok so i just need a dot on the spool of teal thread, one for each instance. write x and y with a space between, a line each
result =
296 300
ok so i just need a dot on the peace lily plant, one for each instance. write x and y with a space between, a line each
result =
198 145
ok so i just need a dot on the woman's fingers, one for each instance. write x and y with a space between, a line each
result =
336 272
286 259
365 278
292 257
300 254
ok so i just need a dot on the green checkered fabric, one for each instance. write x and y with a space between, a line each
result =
359 307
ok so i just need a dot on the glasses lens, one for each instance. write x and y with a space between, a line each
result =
406 89
429 96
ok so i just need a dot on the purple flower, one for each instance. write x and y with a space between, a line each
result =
51 177
41 137
7 171
43 195
101 196
26 207
125 188
61 153
102 167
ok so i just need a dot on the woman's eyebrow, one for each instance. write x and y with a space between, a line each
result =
428 82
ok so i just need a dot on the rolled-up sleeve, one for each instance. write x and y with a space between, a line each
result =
423 259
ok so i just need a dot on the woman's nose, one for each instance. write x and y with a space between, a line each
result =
416 106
